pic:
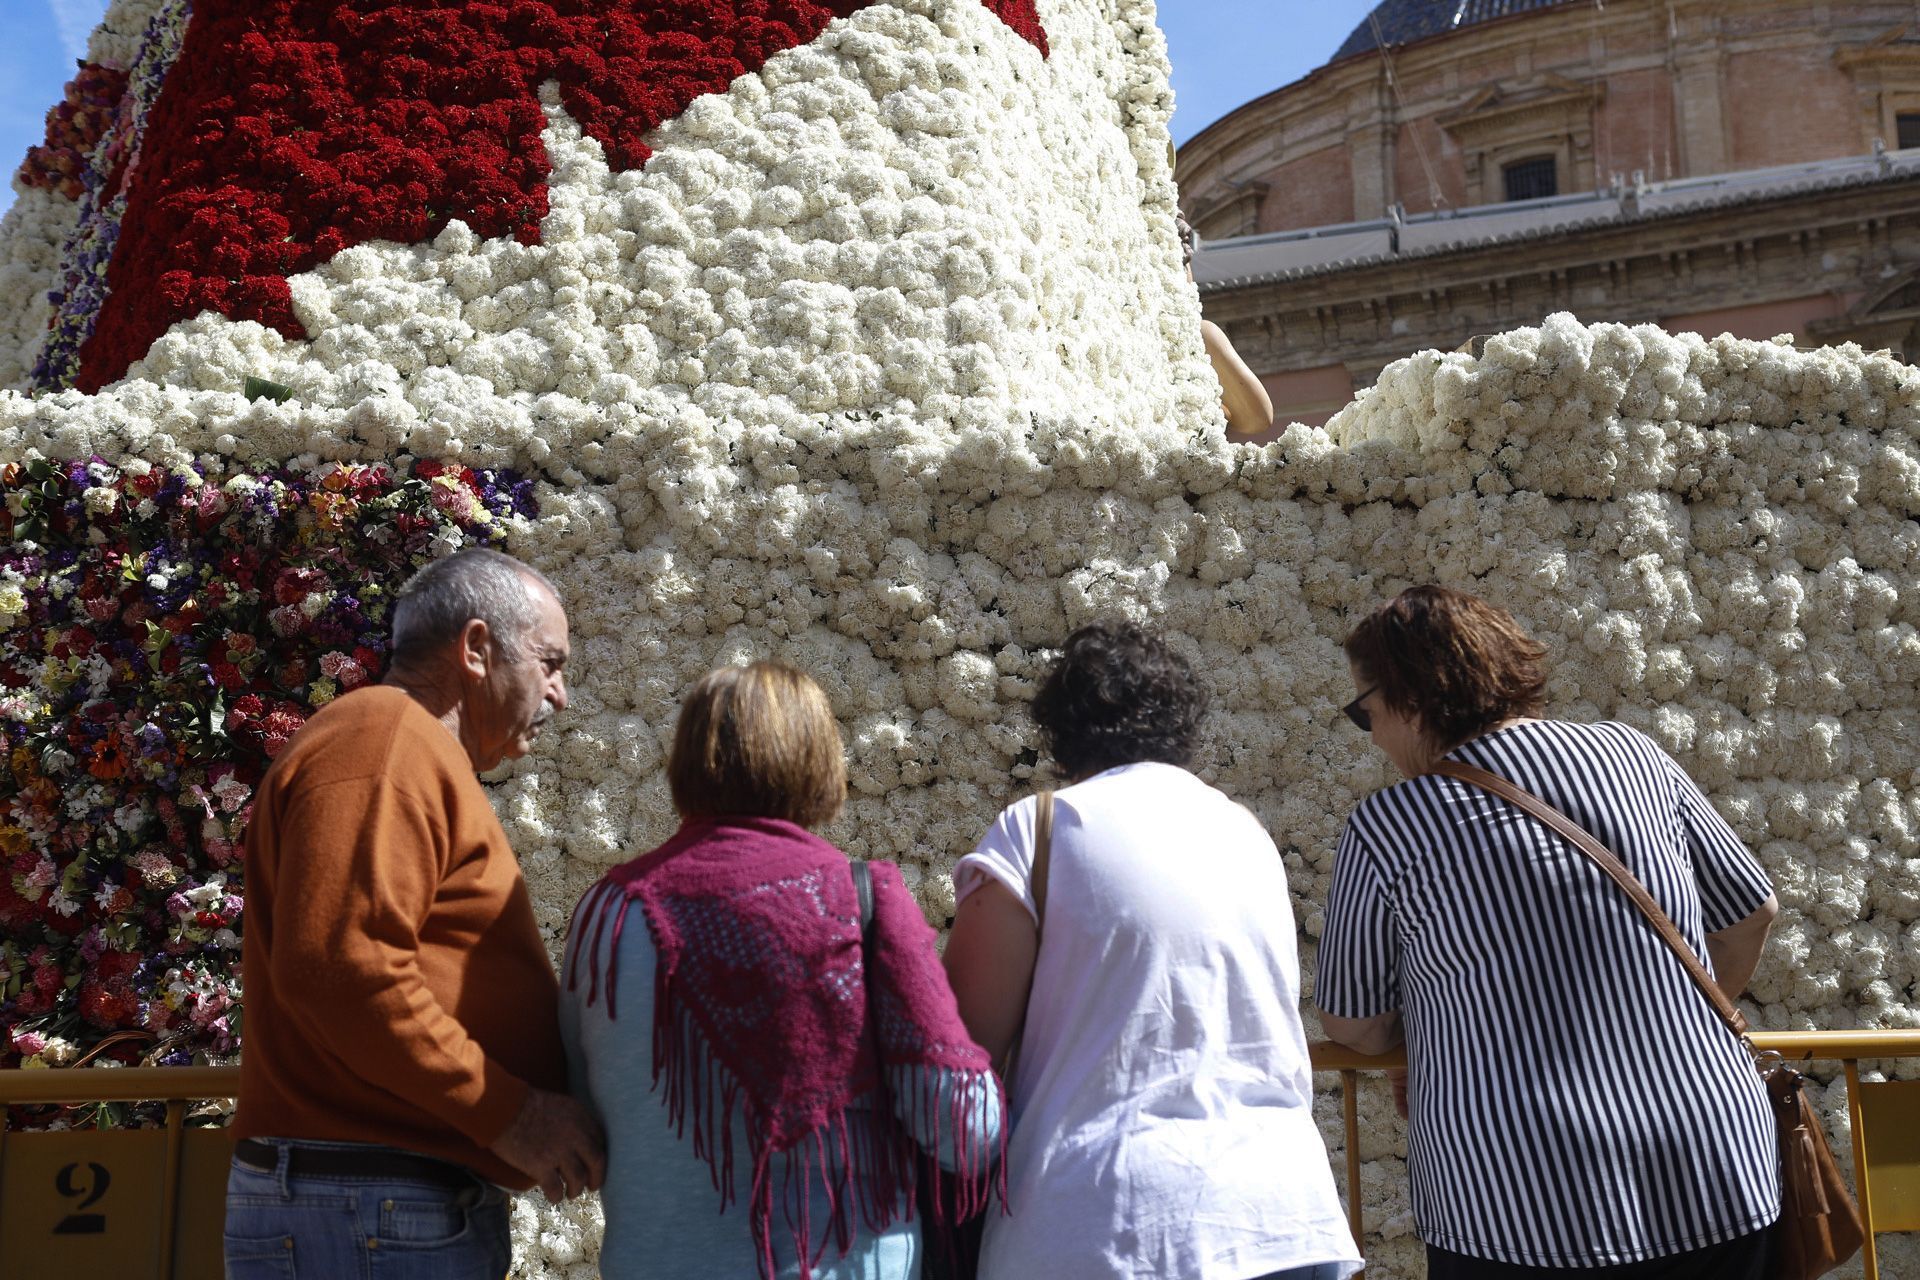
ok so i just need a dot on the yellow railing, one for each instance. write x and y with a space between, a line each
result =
177 1086
81 1202
1847 1047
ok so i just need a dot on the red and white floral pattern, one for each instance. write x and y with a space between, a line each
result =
290 130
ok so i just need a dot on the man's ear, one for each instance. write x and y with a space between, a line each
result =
476 649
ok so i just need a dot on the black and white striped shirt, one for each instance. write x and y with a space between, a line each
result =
1575 1100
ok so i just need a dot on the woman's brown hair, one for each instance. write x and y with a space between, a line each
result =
757 741
1458 663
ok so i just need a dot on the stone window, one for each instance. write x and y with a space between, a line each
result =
1886 81
1534 178
1526 141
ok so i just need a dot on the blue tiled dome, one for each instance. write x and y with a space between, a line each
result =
1404 21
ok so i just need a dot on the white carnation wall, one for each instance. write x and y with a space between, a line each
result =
885 365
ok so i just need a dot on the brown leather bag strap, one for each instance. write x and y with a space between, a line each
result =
1580 839
1042 854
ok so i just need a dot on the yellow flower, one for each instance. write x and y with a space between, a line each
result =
13 603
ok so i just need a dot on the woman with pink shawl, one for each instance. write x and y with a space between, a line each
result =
749 1055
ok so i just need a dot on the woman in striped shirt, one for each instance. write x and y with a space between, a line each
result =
1575 1105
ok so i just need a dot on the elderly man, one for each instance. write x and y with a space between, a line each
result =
403 1059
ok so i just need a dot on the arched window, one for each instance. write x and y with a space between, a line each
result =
1531 179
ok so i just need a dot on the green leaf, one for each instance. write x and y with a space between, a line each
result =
263 389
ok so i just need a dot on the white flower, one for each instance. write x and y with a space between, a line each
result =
13 600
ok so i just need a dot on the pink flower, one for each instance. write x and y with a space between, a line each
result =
232 794
288 620
457 501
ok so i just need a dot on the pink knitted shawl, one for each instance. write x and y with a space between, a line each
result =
762 1013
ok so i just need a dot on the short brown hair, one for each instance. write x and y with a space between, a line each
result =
1458 663
757 741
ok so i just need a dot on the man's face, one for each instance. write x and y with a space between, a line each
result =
522 689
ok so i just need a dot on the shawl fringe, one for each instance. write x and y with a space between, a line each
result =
700 1092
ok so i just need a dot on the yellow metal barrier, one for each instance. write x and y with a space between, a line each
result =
1886 1162
136 1204
82 1202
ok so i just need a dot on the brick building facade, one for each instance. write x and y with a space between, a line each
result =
1464 166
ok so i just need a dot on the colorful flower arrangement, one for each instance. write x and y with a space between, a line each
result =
74 126
81 288
295 130
163 634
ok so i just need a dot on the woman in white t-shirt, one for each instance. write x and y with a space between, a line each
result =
1162 1098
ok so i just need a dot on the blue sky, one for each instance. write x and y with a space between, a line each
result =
1225 52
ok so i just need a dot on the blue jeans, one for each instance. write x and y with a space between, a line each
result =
361 1228
1318 1271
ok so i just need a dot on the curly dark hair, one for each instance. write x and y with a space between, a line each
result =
1460 664
1118 695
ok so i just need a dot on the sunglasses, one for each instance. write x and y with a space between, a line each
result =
1361 717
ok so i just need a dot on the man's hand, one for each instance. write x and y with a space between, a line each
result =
556 1142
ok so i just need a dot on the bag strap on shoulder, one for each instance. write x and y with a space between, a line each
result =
863 890
1669 933
1042 854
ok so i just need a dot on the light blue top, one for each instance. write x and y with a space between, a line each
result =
663 1214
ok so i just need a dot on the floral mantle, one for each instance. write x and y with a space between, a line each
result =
293 130
163 633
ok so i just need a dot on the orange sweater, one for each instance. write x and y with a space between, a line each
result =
397 990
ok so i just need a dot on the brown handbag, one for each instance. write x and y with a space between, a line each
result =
1819 1226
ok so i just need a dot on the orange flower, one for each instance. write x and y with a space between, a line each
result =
109 759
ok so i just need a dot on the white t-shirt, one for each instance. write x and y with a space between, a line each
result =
1162 1100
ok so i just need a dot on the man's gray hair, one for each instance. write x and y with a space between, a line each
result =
439 601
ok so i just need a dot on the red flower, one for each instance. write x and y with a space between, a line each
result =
291 586
106 992
278 730
16 913
246 709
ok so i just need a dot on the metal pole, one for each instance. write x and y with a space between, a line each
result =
170 1184
1869 1258
1350 1116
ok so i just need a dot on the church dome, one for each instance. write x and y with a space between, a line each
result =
1397 22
